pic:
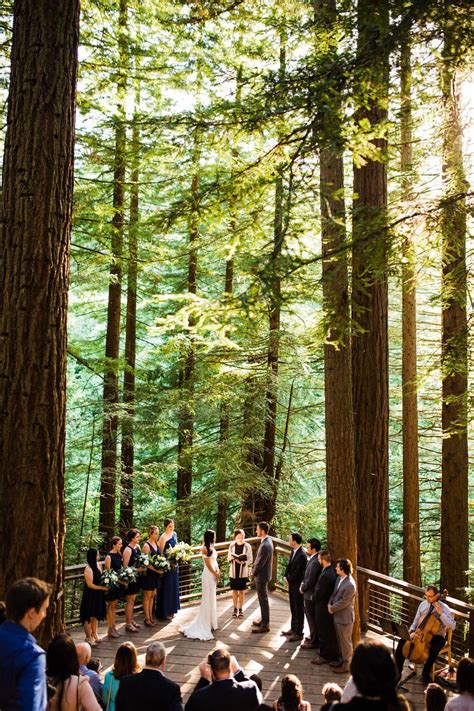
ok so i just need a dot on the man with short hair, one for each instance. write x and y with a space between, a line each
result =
328 647
22 661
262 574
84 654
311 576
223 685
150 689
294 575
341 607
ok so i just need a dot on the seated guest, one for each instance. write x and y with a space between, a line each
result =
22 661
73 691
125 663
331 693
465 684
376 678
291 698
444 615
84 654
258 681
150 689
223 685
435 698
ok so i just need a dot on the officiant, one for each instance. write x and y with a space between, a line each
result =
240 557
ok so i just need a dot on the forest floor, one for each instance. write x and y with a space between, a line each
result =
269 655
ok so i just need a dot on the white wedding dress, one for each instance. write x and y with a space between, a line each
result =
206 621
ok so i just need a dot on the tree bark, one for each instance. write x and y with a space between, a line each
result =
370 301
112 342
454 489
35 229
411 489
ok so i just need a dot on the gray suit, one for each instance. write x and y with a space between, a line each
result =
342 604
311 576
262 574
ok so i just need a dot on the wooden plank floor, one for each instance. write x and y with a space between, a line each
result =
269 655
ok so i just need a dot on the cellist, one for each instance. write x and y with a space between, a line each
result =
431 605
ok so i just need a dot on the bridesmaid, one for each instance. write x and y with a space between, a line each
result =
130 554
167 603
93 598
113 561
152 580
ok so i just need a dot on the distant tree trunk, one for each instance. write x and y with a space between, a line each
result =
35 229
128 425
370 301
252 417
339 426
411 490
112 342
454 490
186 380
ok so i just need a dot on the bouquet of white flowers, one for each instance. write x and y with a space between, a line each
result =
109 578
181 553
143 561
160 563
127 575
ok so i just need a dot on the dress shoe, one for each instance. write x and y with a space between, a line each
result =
335 664
287 633
257 624
259 630
308 645
341 670
319 661
295 638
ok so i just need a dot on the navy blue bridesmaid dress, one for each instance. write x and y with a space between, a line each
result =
167 602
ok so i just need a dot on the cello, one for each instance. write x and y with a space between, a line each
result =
417 649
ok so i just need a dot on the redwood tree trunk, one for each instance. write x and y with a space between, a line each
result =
112 341
370 301
35 231
411 489
454 491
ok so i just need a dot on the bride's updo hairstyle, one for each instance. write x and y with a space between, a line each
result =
209 537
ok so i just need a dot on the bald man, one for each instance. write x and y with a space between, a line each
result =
84 653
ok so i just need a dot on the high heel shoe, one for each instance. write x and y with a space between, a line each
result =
131 628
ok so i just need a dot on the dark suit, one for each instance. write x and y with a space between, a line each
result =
147 691
262 574
322 594
311 576
294 574
233 694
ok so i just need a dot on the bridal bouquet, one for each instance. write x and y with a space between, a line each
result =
143 561
127 575
109 578
181 553
159 562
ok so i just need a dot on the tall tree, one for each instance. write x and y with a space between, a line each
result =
35 231
112 340
454 490
369 292
411 489
339 425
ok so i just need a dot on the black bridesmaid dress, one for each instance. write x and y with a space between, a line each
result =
93 601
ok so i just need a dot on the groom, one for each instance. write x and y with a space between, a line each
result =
262 573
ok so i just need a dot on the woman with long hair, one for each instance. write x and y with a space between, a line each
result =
152 580
73 691
130 555
291 698
113 561
126 662
206 621
167 602
93 608
240 557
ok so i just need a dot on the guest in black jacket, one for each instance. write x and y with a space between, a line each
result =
294 575
149 689
328 647
223 685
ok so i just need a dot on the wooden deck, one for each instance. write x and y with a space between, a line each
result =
269 655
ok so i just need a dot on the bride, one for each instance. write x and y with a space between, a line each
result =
206 621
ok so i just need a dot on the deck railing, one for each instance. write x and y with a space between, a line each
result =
379 595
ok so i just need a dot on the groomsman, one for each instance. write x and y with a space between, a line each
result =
311 575
294 575
262 574
328 648
341 606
